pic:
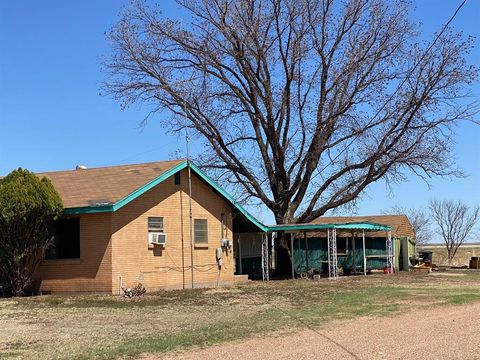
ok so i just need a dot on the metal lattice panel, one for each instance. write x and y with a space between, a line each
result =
390 252
265 260
332 254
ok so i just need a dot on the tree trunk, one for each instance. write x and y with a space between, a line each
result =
283 251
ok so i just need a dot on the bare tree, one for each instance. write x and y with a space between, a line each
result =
419 219
455 221
301 104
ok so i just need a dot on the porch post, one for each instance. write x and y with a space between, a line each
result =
291 246
354 255
306 250
328 254
239 255
364 254
265 261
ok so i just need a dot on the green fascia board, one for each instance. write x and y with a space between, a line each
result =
88 210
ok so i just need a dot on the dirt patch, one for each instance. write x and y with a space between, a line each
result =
417 334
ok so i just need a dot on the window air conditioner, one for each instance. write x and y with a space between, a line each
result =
157 238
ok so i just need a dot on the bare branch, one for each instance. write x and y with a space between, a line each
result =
301 104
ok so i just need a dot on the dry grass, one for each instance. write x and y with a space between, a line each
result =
89 326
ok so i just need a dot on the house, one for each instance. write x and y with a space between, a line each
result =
168 225
113 216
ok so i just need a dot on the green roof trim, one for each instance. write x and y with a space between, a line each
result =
88 210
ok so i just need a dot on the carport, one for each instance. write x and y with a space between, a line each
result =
358 230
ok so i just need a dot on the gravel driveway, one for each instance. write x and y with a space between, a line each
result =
450 332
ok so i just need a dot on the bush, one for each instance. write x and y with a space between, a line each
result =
28 207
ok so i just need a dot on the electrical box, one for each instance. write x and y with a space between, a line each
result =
219 256
219 253
227 243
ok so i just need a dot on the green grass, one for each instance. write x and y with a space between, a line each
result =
108 327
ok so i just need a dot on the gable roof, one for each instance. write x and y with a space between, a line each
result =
107 189
104 186
400 224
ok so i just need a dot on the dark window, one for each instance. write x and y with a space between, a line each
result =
200 231
177 178
155 224
66 240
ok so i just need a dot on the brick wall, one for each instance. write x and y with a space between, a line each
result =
93 271
159 267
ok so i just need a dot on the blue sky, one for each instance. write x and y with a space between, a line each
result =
52 116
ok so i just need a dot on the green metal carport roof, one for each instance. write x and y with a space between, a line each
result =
369 226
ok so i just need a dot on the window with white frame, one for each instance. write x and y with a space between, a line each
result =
155 225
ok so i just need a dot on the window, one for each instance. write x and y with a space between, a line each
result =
66 240
155 224
200 231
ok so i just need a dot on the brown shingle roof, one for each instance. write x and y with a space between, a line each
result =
104 185
400 224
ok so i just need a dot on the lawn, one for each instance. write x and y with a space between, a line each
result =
108 327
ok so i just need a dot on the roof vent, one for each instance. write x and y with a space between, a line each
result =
80 167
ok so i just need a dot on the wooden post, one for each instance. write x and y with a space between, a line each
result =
364 254
306 249
354 263
328 252
291 246
239 255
